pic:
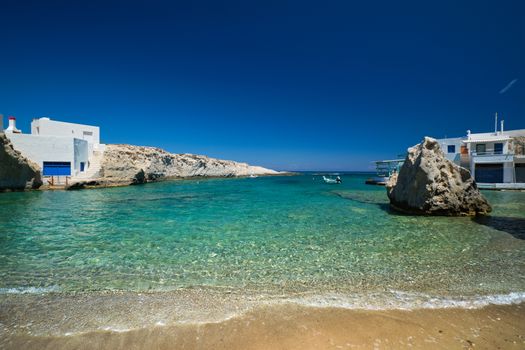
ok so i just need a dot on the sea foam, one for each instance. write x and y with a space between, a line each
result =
407 301
30 290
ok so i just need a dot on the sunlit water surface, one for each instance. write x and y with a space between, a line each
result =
286 236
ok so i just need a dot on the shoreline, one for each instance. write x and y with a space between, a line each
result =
303 327
55 314
165 179
72 187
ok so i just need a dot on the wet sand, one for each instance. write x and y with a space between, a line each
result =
300 327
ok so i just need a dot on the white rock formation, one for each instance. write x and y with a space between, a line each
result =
428 183
126 164
17 173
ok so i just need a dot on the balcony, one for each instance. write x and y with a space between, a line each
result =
491 157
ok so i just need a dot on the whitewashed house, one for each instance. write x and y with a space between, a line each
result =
493 158
59 148
496 159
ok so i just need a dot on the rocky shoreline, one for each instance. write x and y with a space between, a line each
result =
17 173
123 165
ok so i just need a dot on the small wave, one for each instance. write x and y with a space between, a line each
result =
116 329
29 290
407 301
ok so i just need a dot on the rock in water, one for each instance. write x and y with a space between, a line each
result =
17 173
430 184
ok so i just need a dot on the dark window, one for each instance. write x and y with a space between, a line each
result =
451 149
498 148
481 149
82 166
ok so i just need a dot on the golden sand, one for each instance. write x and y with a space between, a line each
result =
299 327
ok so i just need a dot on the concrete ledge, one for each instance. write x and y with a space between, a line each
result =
517 186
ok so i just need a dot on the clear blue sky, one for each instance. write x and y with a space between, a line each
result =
298 85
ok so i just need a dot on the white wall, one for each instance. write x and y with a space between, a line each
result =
456 141
42 149
508 172
48 127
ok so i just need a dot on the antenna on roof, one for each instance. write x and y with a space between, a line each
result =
496 123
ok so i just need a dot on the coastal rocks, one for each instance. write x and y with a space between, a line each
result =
128 165
428 183
517 146
17 173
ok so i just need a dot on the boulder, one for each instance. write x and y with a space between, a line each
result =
17 173
430 184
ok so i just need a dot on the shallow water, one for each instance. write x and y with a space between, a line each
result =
274 236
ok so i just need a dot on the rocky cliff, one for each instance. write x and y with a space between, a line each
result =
17 173
428 183
517 146
126 164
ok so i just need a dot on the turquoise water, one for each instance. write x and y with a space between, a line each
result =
291 234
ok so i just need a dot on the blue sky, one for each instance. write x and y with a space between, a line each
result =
299 85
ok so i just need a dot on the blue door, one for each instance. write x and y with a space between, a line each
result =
82 166
57 168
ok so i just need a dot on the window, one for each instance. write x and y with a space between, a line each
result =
88 136
498 148
451 148
480 149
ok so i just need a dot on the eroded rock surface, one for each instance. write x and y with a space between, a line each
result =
17 173
126 164
428 183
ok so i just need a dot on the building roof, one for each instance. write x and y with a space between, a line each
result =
488 139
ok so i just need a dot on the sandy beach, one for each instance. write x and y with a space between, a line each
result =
299 327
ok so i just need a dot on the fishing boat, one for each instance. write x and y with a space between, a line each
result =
328 180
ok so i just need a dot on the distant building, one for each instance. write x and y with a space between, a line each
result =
497 157
385 169
59 148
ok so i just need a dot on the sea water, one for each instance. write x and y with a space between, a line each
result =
291 238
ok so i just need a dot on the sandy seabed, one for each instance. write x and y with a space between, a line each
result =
302 327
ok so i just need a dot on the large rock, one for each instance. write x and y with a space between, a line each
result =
430 184
126 164
17 173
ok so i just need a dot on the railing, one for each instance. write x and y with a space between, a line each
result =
490 153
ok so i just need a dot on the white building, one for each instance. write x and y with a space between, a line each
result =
59 148
497 157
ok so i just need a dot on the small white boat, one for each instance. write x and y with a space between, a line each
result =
252 176
328 180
